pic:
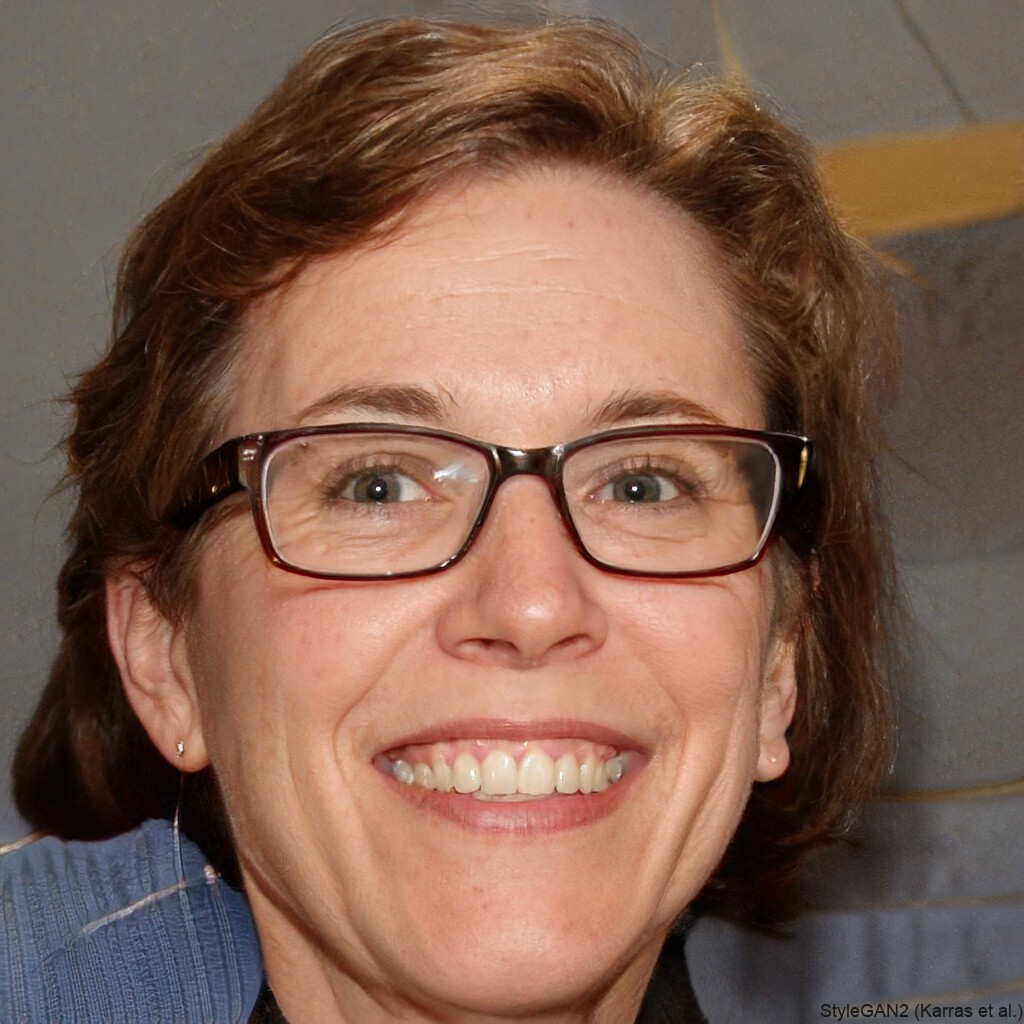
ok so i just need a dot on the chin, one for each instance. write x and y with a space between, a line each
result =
524 968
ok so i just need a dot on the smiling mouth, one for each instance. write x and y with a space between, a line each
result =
503 771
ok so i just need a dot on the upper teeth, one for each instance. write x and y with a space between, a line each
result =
498 774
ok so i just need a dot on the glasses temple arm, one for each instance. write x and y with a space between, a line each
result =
802 514
213 480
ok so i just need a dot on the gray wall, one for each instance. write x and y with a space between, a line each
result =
103 103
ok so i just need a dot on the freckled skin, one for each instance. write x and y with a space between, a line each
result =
523 304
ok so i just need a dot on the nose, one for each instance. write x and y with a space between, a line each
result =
524 596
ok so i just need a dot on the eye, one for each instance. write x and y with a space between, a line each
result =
638 488
378 486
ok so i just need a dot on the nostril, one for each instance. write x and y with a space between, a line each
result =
507 654
576 646
571 643
486 650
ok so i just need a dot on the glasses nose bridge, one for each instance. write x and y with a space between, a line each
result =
542 462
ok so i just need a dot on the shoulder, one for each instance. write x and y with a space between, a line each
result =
138 927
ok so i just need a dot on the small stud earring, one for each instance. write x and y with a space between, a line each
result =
771 757
179 747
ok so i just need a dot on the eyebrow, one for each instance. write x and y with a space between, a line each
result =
409 400
643 405
415 402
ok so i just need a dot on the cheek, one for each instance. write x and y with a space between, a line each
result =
706 641
279 658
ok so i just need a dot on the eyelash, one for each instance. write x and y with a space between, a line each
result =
641 465
342 476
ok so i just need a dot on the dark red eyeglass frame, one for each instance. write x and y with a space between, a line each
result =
237 465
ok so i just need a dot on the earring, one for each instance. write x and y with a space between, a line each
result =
773 759
179 748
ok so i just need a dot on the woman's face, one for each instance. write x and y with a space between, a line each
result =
530 310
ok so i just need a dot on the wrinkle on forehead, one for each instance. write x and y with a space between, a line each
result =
435 229
537 252
538 258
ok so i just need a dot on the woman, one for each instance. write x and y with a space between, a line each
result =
539 627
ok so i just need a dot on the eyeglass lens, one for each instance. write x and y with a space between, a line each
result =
381 504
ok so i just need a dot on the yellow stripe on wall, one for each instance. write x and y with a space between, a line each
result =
921 181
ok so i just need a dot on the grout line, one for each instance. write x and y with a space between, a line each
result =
726 45
1010 787
967 995
915 33
1001 901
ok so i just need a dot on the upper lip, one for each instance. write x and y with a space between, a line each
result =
515 730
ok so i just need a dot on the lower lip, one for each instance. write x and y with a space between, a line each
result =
555 813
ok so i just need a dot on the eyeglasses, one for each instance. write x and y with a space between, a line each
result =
366 501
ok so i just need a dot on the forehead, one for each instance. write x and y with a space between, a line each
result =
521 304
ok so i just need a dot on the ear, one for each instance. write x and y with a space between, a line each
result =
151 655
778 702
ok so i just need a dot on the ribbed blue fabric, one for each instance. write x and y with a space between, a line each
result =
119 931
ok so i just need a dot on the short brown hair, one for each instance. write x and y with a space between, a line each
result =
368 122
